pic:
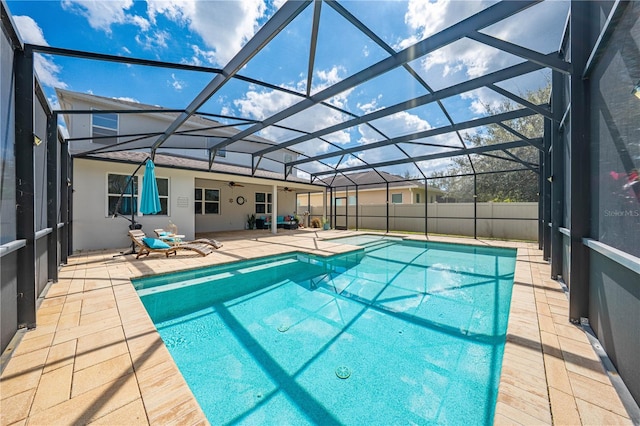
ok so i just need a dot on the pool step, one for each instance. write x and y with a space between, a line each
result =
214 277
377 245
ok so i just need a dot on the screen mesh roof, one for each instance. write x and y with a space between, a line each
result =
346 92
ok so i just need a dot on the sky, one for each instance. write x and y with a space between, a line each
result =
209 33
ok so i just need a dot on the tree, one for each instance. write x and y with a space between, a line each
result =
500 187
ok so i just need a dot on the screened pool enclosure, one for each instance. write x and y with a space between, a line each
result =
517 101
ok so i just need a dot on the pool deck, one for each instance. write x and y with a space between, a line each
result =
95 356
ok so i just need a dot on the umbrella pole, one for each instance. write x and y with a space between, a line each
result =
133 224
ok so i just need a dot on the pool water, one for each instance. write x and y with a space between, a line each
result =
417 328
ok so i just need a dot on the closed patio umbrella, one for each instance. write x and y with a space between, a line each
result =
150 199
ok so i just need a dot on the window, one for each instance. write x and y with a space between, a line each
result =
207 201
396 198
263 202
352 200
339 202
163 192
118 185
417 198
104 124
289 170
211 142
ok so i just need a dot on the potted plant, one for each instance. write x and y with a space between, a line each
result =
251 221
325 224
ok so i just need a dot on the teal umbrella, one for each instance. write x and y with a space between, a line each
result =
150 199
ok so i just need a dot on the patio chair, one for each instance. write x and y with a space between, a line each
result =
138 237
154 245
165 236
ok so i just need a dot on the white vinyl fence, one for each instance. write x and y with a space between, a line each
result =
517 221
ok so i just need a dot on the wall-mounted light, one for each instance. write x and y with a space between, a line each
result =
636 90
36 140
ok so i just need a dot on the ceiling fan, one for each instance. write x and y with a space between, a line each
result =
234 184
287 189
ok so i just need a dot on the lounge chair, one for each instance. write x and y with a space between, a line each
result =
147 245
165 236
138 237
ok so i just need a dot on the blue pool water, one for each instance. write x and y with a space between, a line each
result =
418 327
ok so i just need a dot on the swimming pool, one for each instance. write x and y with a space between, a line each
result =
417 329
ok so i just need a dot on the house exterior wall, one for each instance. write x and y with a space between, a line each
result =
94 229
374 196
80 126
232 215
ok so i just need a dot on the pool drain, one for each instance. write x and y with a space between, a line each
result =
343 372
282 328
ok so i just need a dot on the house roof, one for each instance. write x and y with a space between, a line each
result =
374 179
177 162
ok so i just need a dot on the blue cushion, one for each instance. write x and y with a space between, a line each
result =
155 243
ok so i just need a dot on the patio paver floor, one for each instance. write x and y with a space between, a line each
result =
95 356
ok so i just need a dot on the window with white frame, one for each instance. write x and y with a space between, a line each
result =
263 202
396 198
163 192
122 192
104 125
417 198
352 200
207 201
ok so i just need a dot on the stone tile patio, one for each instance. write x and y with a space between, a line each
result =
95 356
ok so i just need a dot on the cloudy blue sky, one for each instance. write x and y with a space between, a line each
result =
210 33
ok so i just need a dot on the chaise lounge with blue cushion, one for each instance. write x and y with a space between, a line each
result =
147 245
167 237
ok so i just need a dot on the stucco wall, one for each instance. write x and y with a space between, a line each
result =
232 215
93 229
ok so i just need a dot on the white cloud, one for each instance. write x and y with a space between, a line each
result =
201 57
45 68
102 14
47 71
425 18
127 99
260 104
158 39
239 19
29 30
481 98
394 125
176 83
466 59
